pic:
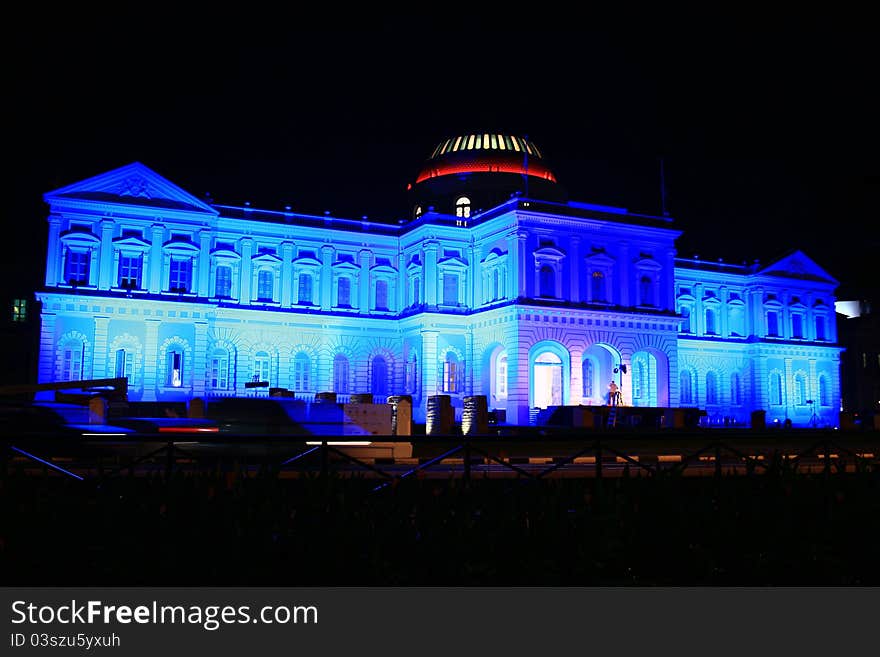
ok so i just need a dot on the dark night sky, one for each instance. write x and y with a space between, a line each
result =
767 123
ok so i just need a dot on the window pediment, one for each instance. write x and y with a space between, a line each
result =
549 253
650 265
600 260
345 266
413 268
383 269
182 248
130 243
81 239
495 257
452 263
225 254
269 259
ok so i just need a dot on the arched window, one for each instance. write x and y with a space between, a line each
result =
379 377
463 207
264 285
261 366
588 370
220 369
598 286
124 364
735 390
686 384
685 319
223 281
340 374
800 390
638 379
776 389
451 373
72 361
710 321
711 388
412 374
381 294
646 290
301 366
305 289
547 282
174 367
823 390
343 291
501 376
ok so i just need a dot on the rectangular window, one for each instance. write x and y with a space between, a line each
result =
450 376
820 328
797 326
76 267
71 366
19 310
305 289
180 275
772 324
223 286
265 280
130 271
175 369
219 372
343 291
381 295
450 289
124 362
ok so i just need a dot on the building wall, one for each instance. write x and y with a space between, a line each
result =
530 306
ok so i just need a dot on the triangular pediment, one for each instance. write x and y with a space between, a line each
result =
133 184
797 265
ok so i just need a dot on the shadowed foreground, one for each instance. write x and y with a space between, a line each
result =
215 528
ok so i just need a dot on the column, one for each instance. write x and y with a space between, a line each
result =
46 367
327 254
53 252
469 361
158 231
364 288
429 364
667 281
625 278
759 384
511 285
813 383
522 288
699 320
430 278
200 356
152 375
402 297
788 385
204 263
723 294
756 312
105 263
99 353
472 293
247 246
574 265
286 274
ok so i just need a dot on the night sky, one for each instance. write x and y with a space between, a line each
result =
767 124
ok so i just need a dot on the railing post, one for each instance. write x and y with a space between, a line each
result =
325 459
827 459
718 460
598 452
467 459
169 459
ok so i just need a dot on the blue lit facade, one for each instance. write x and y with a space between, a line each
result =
533 303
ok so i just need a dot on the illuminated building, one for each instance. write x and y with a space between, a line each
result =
497 285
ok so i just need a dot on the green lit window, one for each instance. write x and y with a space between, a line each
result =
19 310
